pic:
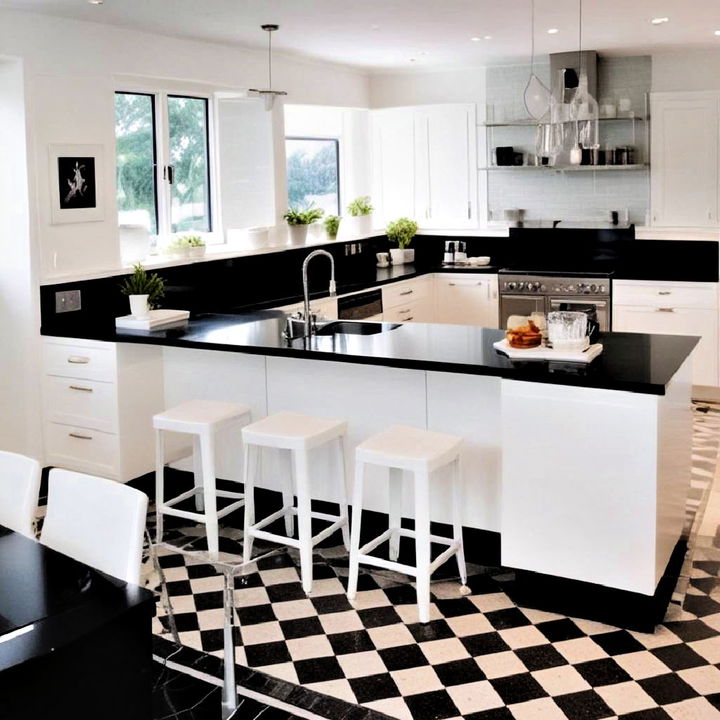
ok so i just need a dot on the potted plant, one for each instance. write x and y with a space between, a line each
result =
195 245
143 290
401 231
298 221
332 223
179 247
361 209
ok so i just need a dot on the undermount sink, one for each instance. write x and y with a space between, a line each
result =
355 327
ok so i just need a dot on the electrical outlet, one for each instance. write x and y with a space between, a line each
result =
67 301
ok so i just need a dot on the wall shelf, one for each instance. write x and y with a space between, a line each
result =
535 123
569 168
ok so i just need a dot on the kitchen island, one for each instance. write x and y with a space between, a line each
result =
581 472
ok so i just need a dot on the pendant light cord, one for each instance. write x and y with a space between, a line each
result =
580 17
269 60
532 37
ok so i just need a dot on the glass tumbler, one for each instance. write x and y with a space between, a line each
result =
567 330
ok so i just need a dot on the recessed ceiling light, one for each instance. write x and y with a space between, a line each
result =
660 20
553 31
476 39
412 59
95 2
423 52
717 32
487 37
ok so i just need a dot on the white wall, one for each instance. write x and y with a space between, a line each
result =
442 86
19 396
71 68
689 71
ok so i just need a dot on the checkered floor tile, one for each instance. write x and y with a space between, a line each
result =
481 656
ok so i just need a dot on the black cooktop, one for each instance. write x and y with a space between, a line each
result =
556 273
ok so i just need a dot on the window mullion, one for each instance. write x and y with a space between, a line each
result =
165 190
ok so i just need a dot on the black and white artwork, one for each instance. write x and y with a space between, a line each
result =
75 175
76 180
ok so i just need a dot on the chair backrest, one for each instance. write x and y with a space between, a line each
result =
97 521
19 490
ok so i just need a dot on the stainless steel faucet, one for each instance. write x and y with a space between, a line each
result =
315 253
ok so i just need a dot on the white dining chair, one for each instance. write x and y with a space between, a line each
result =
19 490
97 521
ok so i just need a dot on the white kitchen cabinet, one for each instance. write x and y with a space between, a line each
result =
99 399
446 166
425 165
466 299
394 164
673 308
324 308
684 159
409 301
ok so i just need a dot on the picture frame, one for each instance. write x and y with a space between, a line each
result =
76 183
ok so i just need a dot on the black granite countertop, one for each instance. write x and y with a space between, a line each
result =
632 362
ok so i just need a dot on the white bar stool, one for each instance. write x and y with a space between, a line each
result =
297 434
420 452
202 419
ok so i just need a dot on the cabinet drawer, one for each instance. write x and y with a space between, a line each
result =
674 295
403 293
82 449
86 403
92 362
401 313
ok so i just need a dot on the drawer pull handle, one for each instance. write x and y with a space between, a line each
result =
409 318
665 292
666 309
79 437
81 388
406 292
78 360
404 312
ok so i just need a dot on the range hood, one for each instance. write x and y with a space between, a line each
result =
571 63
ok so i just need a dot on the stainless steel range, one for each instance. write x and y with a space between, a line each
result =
523 293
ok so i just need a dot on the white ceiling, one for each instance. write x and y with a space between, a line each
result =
381 35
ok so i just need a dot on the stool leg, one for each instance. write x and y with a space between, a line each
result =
197 473
342 500
250 465
355 531
302 479
422 545
207 442
287 493
395 488
457 520
159 483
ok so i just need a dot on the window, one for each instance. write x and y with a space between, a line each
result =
163 162
313 173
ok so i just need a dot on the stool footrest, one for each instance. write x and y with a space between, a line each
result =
179 498
444 556
230 508
258 532
273 537
387 564
186 514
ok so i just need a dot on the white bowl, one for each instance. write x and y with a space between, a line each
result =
482 260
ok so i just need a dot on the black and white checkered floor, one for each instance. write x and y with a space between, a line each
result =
481 656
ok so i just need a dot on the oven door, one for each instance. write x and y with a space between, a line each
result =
602 307
519 305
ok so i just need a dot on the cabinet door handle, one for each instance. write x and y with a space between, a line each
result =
79 437
406 292
404 312
81 388
409 318
665 292
666 309
78 360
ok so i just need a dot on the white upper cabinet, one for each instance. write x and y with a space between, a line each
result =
394 164
684 159
425 165
446 166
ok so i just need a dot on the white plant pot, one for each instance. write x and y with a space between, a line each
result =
364 225
409 255
197 252
139 306
297 234
257 237
397 256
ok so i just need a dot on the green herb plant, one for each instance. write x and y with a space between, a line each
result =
401 231
140 283
332 223
193 241
360 206
296 216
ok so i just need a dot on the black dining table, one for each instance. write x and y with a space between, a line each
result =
74 642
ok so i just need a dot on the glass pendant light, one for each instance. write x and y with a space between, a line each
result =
269 95
537 95
584 107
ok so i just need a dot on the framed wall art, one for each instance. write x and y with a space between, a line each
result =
76 173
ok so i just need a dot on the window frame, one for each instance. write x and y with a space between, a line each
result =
161 134
338 165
